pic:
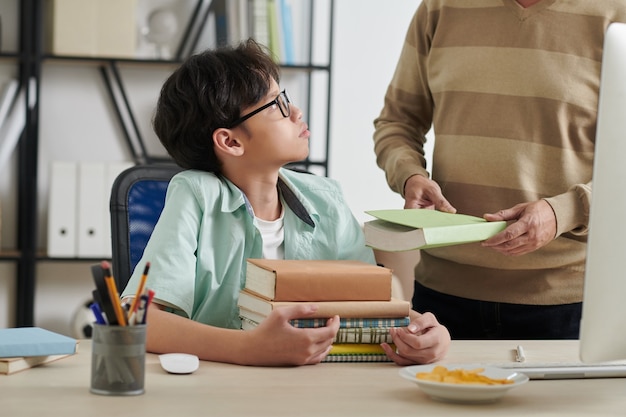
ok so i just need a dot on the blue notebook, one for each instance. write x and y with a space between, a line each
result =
34 341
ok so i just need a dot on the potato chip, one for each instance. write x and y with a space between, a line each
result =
460 376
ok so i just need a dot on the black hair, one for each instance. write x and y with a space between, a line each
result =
207 92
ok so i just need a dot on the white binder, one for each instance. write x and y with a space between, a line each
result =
62 210
92 209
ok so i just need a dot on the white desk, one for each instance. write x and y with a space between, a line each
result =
358 389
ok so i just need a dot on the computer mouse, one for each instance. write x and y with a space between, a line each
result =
179 363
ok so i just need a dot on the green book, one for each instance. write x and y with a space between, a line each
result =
410 229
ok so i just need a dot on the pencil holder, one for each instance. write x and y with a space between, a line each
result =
118 359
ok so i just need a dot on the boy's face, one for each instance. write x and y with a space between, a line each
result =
271 137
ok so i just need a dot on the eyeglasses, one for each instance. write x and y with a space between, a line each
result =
282 101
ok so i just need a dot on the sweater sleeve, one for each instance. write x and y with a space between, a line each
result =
406 117
572 210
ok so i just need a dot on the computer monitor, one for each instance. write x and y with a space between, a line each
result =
602 330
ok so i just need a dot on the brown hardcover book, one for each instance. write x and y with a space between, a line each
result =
318 280
344 309
12 365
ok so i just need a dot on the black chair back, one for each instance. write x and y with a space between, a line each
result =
137 199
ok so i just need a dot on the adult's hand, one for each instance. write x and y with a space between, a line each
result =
422 192
534 226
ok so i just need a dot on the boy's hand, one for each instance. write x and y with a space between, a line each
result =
277 342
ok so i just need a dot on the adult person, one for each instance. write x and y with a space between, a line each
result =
222 116
510 89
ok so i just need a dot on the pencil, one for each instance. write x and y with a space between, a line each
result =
113 294
140 289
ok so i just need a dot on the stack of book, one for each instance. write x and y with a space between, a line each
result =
358 292
23 348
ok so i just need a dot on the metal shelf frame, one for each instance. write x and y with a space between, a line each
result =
31 58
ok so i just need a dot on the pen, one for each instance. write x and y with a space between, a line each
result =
519 354
140 288
97 313
101 294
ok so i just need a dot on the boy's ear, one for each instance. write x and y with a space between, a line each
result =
226 142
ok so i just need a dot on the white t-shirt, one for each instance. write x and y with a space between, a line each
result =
273 234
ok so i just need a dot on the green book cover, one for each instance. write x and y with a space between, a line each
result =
408 229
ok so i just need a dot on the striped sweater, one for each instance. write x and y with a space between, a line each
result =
511 95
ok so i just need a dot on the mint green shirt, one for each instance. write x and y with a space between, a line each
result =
199 247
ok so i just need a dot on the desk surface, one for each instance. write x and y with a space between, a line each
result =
333 389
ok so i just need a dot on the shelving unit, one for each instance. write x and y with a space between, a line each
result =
30 70
31 58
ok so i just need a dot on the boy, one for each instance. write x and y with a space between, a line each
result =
222 116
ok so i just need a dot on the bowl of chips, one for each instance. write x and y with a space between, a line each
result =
463 383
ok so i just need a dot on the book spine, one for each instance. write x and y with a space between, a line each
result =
374 335
357 357
247 324
368 335
354 323
347 309
12 365
357 309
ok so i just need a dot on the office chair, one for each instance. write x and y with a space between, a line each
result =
137 199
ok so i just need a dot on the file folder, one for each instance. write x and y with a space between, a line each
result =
92 209
62 210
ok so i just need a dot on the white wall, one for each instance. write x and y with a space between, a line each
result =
367 41
77 123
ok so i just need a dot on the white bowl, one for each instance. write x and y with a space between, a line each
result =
465 393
